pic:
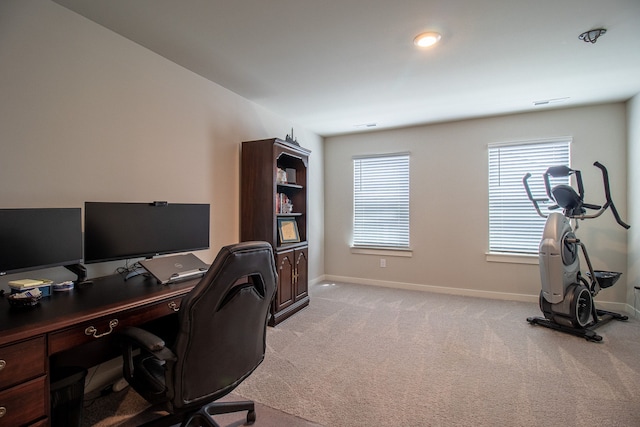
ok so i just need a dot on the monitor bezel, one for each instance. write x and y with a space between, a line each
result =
59 263
142 254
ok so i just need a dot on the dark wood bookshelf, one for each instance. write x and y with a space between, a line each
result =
260 189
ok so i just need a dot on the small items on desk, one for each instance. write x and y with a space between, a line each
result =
27 283
27 288
63 286
21 285
28 298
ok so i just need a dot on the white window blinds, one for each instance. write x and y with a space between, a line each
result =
381 201
514 225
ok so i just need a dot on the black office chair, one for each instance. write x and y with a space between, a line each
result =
220 340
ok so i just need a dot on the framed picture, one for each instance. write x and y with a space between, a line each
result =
288 230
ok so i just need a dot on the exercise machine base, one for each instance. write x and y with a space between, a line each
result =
588 332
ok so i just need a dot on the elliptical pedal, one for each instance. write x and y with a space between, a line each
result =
614 316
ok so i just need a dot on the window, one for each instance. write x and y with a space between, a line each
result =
514 225
381 201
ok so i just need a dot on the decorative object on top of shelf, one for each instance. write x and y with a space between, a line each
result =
289 138
288 230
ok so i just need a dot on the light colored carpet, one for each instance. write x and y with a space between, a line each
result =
369 356
364 356
128 409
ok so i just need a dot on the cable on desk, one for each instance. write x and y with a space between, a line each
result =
129 271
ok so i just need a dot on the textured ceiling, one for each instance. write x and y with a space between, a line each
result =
337 66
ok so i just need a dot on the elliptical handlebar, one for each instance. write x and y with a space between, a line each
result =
607 195
535 201
558 171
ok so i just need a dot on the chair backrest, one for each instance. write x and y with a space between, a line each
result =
222 322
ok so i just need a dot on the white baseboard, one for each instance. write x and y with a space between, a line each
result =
606 305
633 311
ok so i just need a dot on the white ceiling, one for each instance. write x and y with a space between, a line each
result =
334 66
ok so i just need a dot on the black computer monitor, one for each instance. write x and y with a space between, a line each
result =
36 238
116 230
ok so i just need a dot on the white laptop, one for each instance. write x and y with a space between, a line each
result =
175 268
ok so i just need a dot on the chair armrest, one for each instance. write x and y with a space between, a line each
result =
142 338
145 340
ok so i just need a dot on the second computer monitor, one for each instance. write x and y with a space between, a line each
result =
116 230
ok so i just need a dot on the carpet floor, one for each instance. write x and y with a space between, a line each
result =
364 356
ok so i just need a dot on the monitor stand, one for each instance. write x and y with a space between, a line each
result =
80 271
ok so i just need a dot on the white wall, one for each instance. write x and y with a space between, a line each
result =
449 201
633 161
87 115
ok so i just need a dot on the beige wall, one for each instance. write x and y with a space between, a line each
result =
87 115
449 201
633 278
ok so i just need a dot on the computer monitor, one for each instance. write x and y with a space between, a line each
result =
36 238
117 230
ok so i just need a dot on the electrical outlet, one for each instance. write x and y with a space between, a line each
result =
383 262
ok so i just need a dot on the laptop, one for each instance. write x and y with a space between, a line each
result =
175 268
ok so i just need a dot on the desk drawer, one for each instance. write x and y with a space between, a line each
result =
109 325
22 361
23 403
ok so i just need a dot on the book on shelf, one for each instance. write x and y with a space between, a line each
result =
283 204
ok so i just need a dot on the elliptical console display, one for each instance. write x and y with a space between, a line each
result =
566 298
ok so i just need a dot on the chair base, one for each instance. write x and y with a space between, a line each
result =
203 416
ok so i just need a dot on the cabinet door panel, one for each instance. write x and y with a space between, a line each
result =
301 267
285 268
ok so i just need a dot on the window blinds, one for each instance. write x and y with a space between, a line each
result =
381 201
514 226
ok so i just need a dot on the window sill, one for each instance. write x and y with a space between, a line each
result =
382 251
512 258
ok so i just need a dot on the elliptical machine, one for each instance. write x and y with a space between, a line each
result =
566 299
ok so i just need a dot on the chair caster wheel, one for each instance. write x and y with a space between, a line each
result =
251 417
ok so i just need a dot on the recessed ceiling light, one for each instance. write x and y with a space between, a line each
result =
427 39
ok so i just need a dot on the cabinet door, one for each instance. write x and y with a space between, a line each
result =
286 267
301 267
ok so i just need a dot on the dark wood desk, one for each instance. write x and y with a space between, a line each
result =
85 316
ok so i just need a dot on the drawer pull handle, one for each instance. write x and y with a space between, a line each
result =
173 306
3 411
91 330
2 364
